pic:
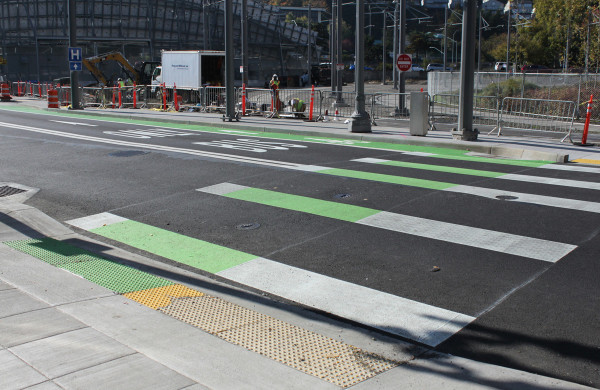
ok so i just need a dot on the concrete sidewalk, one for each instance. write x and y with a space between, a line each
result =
59 330
531 146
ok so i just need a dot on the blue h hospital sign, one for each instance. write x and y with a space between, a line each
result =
75 54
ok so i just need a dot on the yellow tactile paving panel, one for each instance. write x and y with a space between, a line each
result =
312 353
587 161
162 296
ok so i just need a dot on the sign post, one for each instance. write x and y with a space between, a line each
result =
404 62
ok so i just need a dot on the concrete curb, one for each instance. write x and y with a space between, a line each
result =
483 147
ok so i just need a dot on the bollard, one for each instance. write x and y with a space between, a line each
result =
134 96
19 89
120 97
113 97
243 99
40 89
164 96
587 122
312 102
175 98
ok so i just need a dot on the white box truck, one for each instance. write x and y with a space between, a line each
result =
191 69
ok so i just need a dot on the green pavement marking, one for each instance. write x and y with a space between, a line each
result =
186 250
105 273
407 181
52 251
520 163
116 277
443 168
439 152
323 208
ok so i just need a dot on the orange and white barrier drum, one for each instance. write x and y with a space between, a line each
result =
53 98
5 93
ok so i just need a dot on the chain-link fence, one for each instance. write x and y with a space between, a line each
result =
537 86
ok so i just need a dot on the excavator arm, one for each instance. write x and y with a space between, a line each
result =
91 64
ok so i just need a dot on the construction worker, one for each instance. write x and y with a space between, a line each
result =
274 86
297 105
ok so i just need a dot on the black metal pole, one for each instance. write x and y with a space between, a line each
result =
229 92
245 38
360 122
75 95
465 129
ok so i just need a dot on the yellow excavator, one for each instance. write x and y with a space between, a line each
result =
141 75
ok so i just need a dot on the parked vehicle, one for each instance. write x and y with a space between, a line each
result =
436 67
417 68
535 69
501 66
191 69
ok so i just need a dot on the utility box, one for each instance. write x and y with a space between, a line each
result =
419 113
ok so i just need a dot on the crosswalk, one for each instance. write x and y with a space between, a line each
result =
429 323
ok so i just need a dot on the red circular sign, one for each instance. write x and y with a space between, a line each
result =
404 62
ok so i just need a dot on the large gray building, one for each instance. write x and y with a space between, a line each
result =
35 34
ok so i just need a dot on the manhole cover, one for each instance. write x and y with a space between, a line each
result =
248 226
507 197
8 191
128 153
341 196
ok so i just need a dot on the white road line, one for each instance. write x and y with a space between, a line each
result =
96 221
513 244
74 123
571 167
542 200
414 320
551 181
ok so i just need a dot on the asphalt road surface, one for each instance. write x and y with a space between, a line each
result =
495 260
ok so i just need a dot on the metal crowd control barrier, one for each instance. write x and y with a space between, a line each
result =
388 105
444 109
258 101
537 115
340 104
302 98
214 99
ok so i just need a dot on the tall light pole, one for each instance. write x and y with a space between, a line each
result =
360 122
75 95
509 5
244 38
229 95
465 129
384 50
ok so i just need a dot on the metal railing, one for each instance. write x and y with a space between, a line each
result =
444 108
537 115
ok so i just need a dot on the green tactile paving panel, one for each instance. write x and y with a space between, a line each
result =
115 276
52 251
320 207
186 250
406 181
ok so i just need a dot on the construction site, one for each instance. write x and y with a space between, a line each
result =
35 35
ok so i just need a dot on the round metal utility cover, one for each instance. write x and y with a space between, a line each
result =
341 196
127 153
507 197
248 226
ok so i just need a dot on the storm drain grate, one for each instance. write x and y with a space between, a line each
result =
8 191
309 352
